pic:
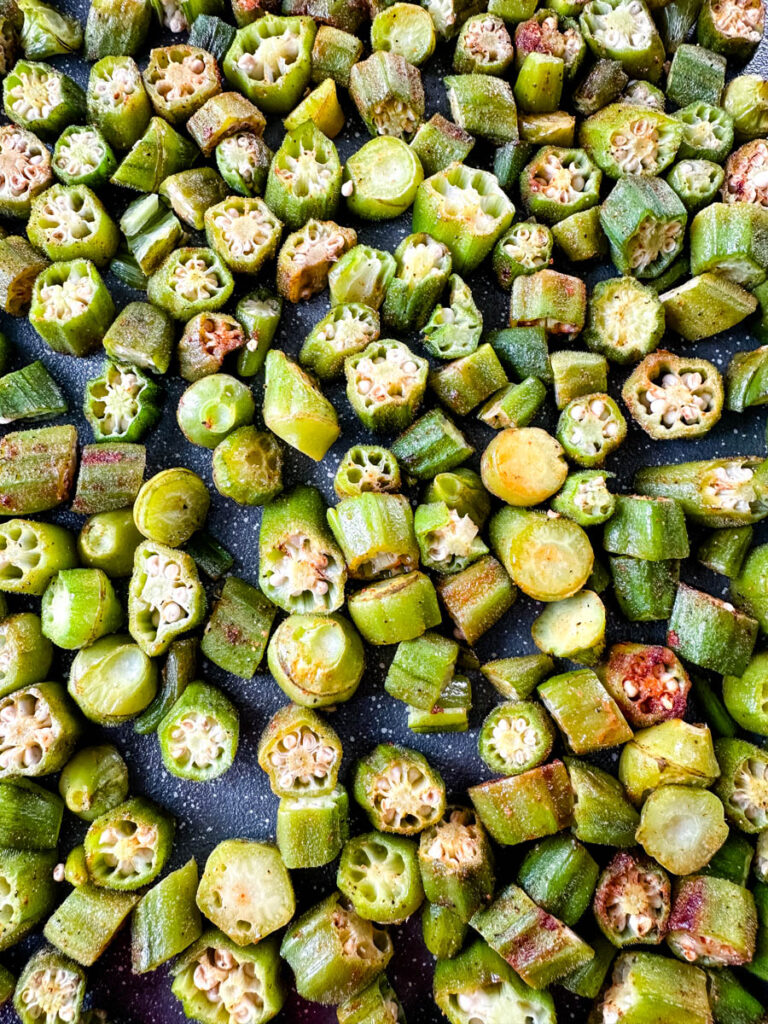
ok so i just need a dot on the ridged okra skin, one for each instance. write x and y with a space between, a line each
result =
531 805
713 922
166 921
670 752
646 986
30 891
312 830
399 790
51 987
87 921
560 875
199 735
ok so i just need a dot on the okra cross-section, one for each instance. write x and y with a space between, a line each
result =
25 170
531 805
559 182
165 597
29 892
454 330
345 330
385 385
712 492
399 790
198 737
129 846
179 79
316 659
244 232
645 986
645 224
307 256
623 30
304 179
31 553
456 862
41 98
300 753
523 249
192 280
682 828
379 875
50 989
70 222
625 320
744 172
38 731
673 397
626 139
388 94
118 103
71 307
742 783
375 533
516 736
713 922
270 61
112 680
648 683
633 900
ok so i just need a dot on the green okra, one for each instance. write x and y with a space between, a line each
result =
572 628
71 307
739 786
625 320
748 587
590 428
128 847
141 335
416 791
645 985
746 379
364 469
523 249
297 737
207 340
538 946
159 152
713 492
672 397
199 734
586 714
439 143
258 65
151 231
454 330
707 132
316 659
466 382
515 737
25 654
462 491
179 671
259 315
166 921
304 180
190 192
41 98
165 597
388 93
112 680
421 669
121 404
40 729
20 264
745 696
110 478
706 305
87 921
213 407
448 542
733 860
431 445
728 32
502 472
82 156
334 53
696 182
385 384
50 986
324 949
116 27
296 410
620 31
514 405
730 1001
682 828
585 498
32 553
724 551
449 714
645 224
549 299
244 232
517 678
476 597
179 79
649 528
713 922
247 466
30 816
94 781
379 875
483 105
422 271
311 830
306 258
672 752
118 103
602 85
345 330
580 236
235 637
37 469
11 23
648 683
29 394
632 901
456 863
709 632
171 506
731 240
578 177
602 814
29 891
524 351
560 874
443 931
532 805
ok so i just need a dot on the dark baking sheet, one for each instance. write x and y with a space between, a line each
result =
241 804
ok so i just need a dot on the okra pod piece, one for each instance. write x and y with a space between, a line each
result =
381 178
456 863
110 478
94 781
531 805
121 404
477 597
549 299
431 445
29 891
572 628
724 551
462 491
50 988
247 466
574 374
243 232
198 736
696 182
180 79
645 224
224 116
30 816
207 340
584 711
118 103
37 469
539 84
672 397
515 737
20 265
367 469
649 528
745 696
448 542
454 330
112 680
633 901
602 85
713 922
576 183
235 636
645 986
165 597
585 498
421 669
213 407
466 382
713 492
672 752
29 172
39 731
524 351
682 828
128 847
87 921
748 588
31 553
151 231
29 394
316 659
449 714
171 506
707 132
517 678
304 180
25 654
729 1000
333 952
191 281
520 539
745 99
590 428
483 105
389 611
580 236
626 139
344 331
439 143
141 335
385 384
116 27
376 1004
270 61
47 32
166 921
746 378
334 53
296 410
733 30
11 24
388 93
405 30
179 671
321 107
560 875
379 875
472 223
423 267
740 786
555 129
158 153
759 964
538 946
307 256
259 315
675 21
625 320
523 466
484 45
399 790
361 275
300 753
731 240
733 860
706 305
41 98
711 633
515 405
71 307
311 830
442 931
192 191
601 812
647 682
525 248
624 31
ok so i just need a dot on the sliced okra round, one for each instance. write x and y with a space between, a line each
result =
345 330
25 170
191 281
746 174
484 45
550 34
78 607
456 862
70 222
244 232
108 541
50 989
246 890
707 132
682 828
361 275
270 61
559 182
574 628
642 93
731 27
198 736
454 330
746 100
713 922
179 79
129 846
585 498
317 660
306 258
525 248
590 428
697 182
94 781
366 468
633 900
212 407
41 98
165 597
388 94
516 736
38 731
671 397
28 892
743 783
399 790
112 680
71 307
82 156
171 506
243 161
448 542
627 139
379 875
219 982
375 533
625 320
648 683
207 340
645 224
300 753
746 696
385 385
402 28
118 103
25 654
121 404
623 30
523 466
31 553
304 179
381 178
247 466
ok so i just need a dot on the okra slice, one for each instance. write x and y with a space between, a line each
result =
483 105
449 714
732 28
645 223
456 862
539 85
463 492
671 752
724 551
464 208
531 805
623 139
246 890
743 182
225 115
300 753
87 921
746 379
523 466
39 729
112 680
623 30
645 985
110 478
305 260
389 611
601 86
94 781
25 170
707 132
304 179
321 107
366 469
41 98
560 875
385 384
454 330
316 659
682 828
69 222
361 275
633 901
198 737
572 628
296 410
192 280
243 232
213 407
25 654
423 269
517 678
549 299
696 182
671 397
477 597
649 528
11 24
235 636
463 383
151 231
748 588
30 816
117 101
711 633
745 696
514 405
585 498
207 340
584 711
166 921
730 240
525 248
347 329
31 553
30 394
47 31
448 542
713 922
388 94
141 335
524 351
128 847
20 265
122 404
484 45
50 988
625 320
407 30
549 558
243 161
83 156
158 153
712 492
590 428
378 1003
647 682
439 143
179 671
179 80
116 28
421 669
745 100
311 830
259 315
399 790
379 875
220 982
270 61
171 506
334 53
729 999
247 466
165 597
29 891
602 814
375 533
741 785
559 182
515 737
37 469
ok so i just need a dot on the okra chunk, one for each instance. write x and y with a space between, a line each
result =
346 330
448 542
626 139
367 469
559 182
38 731
207 340
379 875
746 174
648 683
713 922
645 223
516 736
41 98
11 24
300 753
388 94
546 33
122 404
244 232
270 61
623 30
648 987
484 45
193 280
316 659
454 330
25 169
682 828
456 862
179 80
399 790
243 161
304 179
731 27
307 256
672 397
707 132
525 248
590 428
219 982
31 553
117 101
743 783
71 307
198 737
165 599
385 385
625 320
128 847
713 492
50 989
633 901
70 222
83 156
